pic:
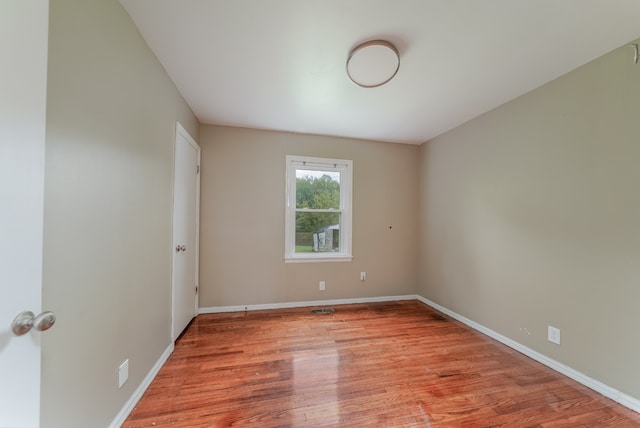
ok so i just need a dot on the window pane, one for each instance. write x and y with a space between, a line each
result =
317 189
317 232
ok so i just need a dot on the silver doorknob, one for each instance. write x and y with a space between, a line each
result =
44 321
26 320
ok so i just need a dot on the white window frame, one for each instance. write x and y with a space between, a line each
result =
345 168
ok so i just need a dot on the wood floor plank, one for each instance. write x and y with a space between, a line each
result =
396 364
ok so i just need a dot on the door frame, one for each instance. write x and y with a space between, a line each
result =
182 132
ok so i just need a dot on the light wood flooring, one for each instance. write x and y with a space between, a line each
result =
396 364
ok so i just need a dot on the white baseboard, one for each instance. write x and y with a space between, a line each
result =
287 305
629 402
606 390
137 394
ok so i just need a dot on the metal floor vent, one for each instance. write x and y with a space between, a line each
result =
322 311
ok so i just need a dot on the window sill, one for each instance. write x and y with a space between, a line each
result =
317 259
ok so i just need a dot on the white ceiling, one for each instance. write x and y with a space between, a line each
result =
280 64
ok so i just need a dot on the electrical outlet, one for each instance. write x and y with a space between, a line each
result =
322 286
363 276
553 335
123 373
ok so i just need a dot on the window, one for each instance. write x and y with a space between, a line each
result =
318 210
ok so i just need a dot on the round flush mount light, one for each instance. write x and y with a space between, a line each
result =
373 63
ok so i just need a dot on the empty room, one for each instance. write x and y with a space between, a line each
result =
342 213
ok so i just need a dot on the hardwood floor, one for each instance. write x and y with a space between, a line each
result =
398 364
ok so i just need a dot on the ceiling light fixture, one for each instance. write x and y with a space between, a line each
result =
373 63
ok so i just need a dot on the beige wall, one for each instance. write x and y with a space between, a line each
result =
111 115
530 216
242 219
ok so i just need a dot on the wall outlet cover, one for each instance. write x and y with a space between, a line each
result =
553 335
123 373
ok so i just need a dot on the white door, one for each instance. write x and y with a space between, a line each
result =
23 92
185 230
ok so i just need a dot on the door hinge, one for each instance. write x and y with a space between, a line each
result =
196 289
197 169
